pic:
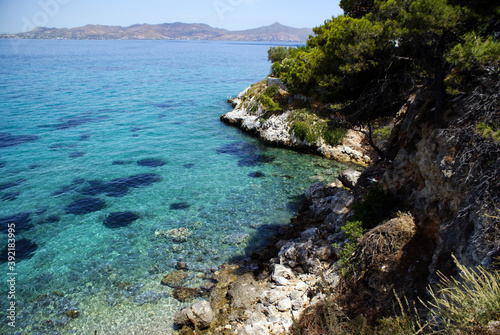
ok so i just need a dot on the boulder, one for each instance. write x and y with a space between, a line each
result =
295 253
284 305
198 315
184 294
244 292
349 177
315 191
147 297
310 234
275 81
282 274
174 279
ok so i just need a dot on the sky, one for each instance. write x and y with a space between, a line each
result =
23 15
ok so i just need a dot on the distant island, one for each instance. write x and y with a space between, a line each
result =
167 31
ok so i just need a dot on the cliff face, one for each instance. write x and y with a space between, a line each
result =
448 174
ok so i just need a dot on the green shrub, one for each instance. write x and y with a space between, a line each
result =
334 136
308 126
488 132
300 129
305 125
474 52
279 53
383 133
272 91
269 104
468 304
353 231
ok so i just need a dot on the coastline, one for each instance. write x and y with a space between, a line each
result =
426 211
268 291
274 129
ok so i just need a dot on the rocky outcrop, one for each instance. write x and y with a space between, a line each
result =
293 271
273 128
199 315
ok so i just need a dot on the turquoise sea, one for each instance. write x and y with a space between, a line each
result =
114 166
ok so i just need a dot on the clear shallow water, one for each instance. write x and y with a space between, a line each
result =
89 129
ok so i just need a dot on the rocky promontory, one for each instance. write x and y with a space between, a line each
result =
274 127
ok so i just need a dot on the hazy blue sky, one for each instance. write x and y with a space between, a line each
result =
24 15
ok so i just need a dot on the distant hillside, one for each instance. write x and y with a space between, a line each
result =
167 31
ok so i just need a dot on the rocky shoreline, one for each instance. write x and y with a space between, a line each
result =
274 129
277 284
434 197
268 292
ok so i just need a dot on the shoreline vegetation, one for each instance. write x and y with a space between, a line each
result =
408 89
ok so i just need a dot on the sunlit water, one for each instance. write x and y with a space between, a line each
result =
89 129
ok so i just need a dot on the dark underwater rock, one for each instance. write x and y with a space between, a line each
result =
147 297
120 219
21 221
151 162
10 196
85 206
174 279
75 121
168 104
5 186
256 160
76 154
184 294
119 187
52 219
24 249
238 149
9 140
2 164
256 174
121 162
188 166
179 205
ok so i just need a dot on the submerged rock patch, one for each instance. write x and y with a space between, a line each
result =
179 206
85 206
76 154
22 221
10 196
238 149
9 140
174 279
184 294
151 162
119 187
147 297
256 160
24 250
256 174
5 186
121 162
120 219
75 121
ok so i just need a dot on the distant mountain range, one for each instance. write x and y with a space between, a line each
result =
167 31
